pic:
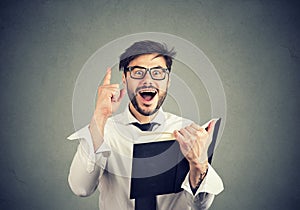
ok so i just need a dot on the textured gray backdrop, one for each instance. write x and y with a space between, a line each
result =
254 45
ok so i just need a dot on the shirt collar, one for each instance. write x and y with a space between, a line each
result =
128 118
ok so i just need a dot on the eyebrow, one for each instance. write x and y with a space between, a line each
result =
157 56
148 68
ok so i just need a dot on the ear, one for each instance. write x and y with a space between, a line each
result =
123 79
169 82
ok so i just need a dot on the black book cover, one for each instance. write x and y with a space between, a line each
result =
160 168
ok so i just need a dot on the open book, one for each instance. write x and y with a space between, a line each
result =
160 168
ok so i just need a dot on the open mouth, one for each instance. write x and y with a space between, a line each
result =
148 94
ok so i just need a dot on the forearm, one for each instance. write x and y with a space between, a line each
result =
198 172
211 186
200 200
82 181
96 129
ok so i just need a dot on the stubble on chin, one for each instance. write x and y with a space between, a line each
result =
148 113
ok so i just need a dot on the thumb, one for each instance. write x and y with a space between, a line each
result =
211 126
122 94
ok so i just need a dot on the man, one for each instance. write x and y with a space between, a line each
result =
104 155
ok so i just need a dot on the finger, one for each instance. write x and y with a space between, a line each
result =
108 89
185 133
211 126
194 134
191 129
107 93
202 133
199 130
115 95
188 139
118 95
107 77
122 94
178 136
110 86
195 126
180 139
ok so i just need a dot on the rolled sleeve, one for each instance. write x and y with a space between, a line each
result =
86 143
87 166
211 184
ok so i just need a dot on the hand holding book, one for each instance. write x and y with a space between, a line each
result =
160 166
194 141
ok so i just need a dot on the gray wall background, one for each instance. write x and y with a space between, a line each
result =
254 45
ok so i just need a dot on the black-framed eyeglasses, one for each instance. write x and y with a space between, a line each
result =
139 72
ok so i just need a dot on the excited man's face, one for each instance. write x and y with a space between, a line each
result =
147 94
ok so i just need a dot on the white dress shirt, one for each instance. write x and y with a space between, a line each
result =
109 168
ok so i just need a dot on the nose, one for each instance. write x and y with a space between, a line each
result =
147 80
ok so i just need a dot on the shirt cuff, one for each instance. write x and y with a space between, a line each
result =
212 183
86 144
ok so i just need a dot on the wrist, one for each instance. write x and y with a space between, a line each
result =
96 129
198 167
99 118
198 172
195 185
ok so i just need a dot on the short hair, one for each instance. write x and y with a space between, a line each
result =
146 47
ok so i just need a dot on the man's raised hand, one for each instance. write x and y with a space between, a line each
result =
109 97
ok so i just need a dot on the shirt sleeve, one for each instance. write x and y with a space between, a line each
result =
87 166
211 185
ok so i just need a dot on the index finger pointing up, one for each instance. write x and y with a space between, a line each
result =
106 80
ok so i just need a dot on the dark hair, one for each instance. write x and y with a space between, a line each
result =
146 47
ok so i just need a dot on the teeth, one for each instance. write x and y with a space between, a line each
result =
148 91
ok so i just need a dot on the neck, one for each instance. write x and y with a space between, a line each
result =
141 118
